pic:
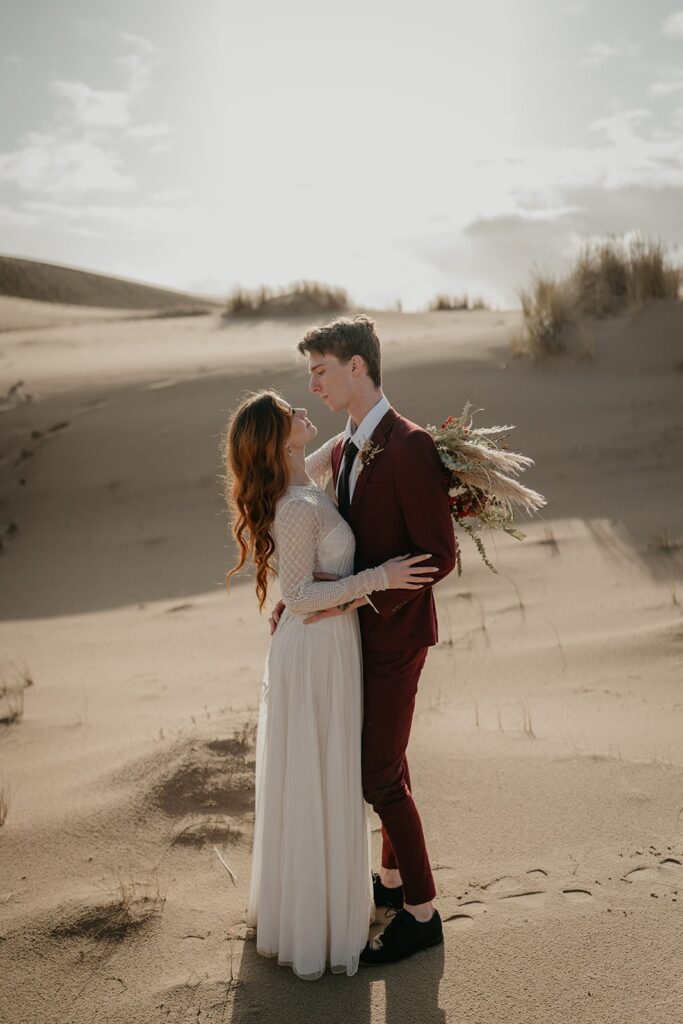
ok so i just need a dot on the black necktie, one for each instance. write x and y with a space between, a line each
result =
343 490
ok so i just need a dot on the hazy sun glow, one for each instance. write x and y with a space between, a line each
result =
391 148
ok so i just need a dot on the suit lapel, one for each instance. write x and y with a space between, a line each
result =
335 457
380 436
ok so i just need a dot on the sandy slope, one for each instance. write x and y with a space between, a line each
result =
546 750
55 283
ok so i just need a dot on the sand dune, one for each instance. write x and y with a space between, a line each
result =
546 749
50 282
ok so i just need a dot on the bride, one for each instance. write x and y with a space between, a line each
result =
310 895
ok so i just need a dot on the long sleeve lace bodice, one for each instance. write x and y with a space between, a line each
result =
319 462
310 536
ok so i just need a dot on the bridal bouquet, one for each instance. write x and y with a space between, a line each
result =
482 492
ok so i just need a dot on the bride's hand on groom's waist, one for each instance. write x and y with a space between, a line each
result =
341 609
275 617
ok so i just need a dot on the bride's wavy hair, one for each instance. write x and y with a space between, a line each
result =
257 475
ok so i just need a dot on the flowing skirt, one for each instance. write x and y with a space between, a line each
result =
310 895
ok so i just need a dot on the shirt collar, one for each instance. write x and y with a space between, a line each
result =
368 424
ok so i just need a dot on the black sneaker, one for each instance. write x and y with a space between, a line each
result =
384 895
402 937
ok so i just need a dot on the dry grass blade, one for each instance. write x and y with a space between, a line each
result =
227 868
504 487
4 801
132 907
15 677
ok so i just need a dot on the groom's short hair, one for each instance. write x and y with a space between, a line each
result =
345 338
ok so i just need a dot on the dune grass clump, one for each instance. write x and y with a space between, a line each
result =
133 905
608 277
299 299
442 302
615 274
548 307
13 711
14 680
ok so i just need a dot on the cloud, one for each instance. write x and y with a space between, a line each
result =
143 44
559 197
71 172
668 83
139 64
172 195
673 25
97 108
599 52
100 218
504 250
93 107
79 152
51 165
619 127
158 130
11 217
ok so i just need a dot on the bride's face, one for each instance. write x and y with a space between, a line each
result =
302 430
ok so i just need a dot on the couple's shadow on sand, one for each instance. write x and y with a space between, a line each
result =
399 992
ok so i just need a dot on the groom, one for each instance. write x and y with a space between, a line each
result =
391 491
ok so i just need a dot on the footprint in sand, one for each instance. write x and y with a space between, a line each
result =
473 907
504 884
459 920
577 895
513 888
527 900
663 879
464 913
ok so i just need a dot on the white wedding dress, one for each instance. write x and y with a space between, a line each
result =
310 895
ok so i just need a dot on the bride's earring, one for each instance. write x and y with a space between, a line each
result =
288 450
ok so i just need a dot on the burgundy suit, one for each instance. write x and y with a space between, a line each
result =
399 507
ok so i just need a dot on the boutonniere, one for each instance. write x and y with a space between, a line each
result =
368 452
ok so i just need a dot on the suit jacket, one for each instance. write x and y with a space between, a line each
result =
400 507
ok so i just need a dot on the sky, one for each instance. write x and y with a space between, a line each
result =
394 148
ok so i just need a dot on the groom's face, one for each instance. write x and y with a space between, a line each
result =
331 380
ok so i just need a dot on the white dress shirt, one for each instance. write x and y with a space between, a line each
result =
361 434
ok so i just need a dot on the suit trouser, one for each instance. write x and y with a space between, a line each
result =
390 681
